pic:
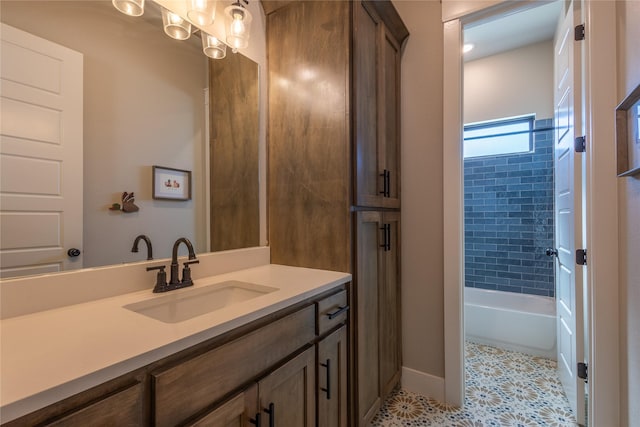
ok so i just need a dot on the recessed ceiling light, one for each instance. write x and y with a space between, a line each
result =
467 47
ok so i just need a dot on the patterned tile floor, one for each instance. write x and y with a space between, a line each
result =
503 389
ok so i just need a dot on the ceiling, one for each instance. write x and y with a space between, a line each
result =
513 31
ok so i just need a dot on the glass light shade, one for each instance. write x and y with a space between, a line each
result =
201 12
213 47
129 7
175 26
238 26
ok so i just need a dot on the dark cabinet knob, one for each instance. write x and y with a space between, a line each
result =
73 252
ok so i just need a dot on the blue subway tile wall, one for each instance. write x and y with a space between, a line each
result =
508 204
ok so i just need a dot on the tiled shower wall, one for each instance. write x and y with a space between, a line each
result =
508 204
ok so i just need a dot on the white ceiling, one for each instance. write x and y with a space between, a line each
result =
515 30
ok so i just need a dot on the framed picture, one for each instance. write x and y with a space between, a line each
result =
628 134
171 184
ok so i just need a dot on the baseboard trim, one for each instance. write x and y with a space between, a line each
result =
423 383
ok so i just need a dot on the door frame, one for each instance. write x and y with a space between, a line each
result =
600 201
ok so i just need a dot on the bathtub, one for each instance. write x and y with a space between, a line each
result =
518 322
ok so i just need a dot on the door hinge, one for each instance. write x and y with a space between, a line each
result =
579 32
580 144
583 371
581 256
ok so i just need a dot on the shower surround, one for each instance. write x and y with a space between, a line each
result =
509 219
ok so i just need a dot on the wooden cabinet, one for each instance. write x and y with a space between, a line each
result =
287 395
334 149
266 370
216 373
389 320
332 380
377 110
378 337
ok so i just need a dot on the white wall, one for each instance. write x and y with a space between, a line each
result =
422 216
628 32
512 83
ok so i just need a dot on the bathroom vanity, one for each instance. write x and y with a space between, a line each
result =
272 348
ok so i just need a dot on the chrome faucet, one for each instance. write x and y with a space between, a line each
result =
148 243
175 281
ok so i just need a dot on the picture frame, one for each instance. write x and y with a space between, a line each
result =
628 134
171 184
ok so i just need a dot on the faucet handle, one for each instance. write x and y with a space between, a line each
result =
186 272
161 278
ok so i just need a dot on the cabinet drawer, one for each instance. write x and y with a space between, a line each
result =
123 408
332 311
184 390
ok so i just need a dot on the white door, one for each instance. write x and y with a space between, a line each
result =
568 214
40 155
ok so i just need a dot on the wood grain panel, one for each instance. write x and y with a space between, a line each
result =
332 408
331 305
309 141
270 6
368 182
390 321
369 271
291 391
391 113
123 408
236 412
391 18
234 94
219 371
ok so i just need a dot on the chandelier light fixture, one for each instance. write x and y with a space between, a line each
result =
202 14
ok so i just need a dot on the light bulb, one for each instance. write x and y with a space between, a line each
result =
237 27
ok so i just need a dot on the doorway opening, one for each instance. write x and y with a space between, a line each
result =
510 115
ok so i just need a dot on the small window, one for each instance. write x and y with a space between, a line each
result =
506 136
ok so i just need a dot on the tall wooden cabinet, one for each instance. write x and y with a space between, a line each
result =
376 54
334 168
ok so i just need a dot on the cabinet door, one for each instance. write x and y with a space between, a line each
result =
239 411
389 307
368 167
390 116
332 380
377 108
369 235
287 395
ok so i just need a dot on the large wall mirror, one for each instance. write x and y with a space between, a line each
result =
148 100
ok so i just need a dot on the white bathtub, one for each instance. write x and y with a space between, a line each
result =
518 322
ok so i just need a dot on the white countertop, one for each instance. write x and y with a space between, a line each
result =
50 355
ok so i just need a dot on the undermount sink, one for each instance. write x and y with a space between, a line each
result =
178 306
